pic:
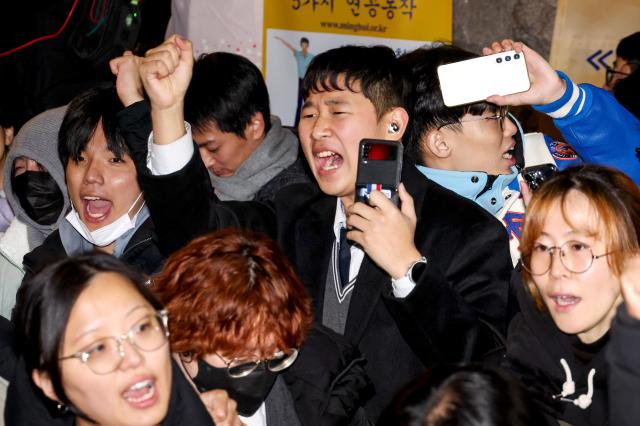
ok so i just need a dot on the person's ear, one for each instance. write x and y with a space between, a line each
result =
43 381
436 144
395 122
255 129
8 135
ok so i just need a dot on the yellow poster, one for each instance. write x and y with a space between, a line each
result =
427 20
586 35
297 30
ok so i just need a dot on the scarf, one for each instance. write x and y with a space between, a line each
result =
278 150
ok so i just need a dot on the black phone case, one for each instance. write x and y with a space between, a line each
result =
378 174
537 175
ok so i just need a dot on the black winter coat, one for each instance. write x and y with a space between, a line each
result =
463 287
328 382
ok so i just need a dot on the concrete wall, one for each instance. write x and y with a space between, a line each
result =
476 23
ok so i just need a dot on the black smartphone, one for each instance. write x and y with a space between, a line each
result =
379 167
536 175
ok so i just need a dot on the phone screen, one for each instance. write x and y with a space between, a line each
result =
379 152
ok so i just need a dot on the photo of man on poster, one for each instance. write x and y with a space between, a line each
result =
303 59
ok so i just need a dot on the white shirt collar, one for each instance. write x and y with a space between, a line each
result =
340 220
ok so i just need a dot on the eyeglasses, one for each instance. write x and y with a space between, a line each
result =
609 72
242 367
105 355
575 256
503 113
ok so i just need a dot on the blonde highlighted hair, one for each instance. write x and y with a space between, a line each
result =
612 195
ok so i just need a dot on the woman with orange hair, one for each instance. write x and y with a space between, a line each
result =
580 228
241 322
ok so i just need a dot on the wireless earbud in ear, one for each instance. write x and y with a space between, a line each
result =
393 128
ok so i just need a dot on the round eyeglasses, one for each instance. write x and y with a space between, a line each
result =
610 72
503 113
105 355
242 367
575 256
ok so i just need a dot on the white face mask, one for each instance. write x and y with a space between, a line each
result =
107 234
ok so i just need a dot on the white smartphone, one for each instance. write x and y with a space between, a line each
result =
476 79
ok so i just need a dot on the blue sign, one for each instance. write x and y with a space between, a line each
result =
598 58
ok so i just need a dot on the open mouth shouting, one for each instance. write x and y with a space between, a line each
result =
141 394
510 155
95 209
564 302
327 161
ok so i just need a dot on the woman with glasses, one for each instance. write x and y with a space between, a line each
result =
94 341
241 322
580 228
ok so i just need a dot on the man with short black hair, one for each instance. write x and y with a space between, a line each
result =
427 281
248 154
478 150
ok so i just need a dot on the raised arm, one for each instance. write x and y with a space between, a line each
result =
286 43
128 83
546 85
175 182
166 72
591 120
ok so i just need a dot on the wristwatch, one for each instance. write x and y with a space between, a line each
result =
414 271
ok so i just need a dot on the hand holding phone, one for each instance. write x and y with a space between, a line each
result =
385 232
476 79
379 167
546 85
535 176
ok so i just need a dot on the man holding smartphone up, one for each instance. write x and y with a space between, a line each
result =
422 284
477 150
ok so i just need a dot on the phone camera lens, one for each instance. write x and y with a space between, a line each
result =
498 60
507 58
516 56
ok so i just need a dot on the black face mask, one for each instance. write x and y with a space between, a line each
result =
39 196
249 392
